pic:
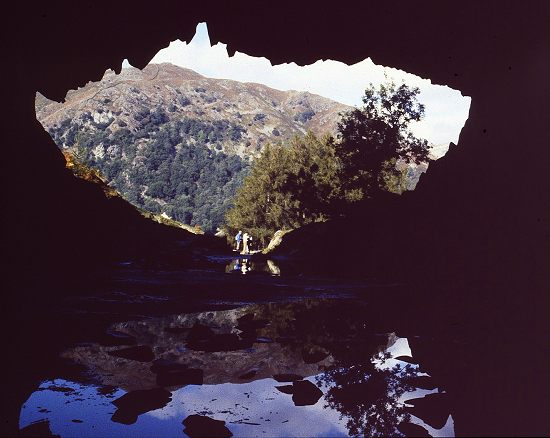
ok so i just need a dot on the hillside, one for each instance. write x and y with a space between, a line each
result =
262 113
175 142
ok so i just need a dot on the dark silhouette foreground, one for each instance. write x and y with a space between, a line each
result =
472 241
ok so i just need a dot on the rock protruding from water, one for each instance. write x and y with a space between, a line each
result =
133 404
201 426
304 393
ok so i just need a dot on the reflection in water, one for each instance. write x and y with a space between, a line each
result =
281 369
245 265
369 397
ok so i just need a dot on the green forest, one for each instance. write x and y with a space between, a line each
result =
174 167
178 167
315 179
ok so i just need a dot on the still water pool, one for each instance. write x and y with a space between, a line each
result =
312 367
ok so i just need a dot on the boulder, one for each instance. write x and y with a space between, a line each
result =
305 393
202 426
135 403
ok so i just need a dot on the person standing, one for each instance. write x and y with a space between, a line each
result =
238 239
245 244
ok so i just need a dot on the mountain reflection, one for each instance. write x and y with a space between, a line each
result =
310 355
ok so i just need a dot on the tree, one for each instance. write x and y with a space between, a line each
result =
313 176
288 186
261 205
372 139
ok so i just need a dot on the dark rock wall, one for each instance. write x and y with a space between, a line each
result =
481 212
487 195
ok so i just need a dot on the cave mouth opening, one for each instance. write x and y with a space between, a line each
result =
178 138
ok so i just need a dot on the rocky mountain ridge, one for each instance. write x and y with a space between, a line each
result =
263 113
175 143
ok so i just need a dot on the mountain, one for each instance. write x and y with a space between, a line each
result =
263 113
172 141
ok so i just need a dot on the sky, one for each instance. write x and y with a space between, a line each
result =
446 109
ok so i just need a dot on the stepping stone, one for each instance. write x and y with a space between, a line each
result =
305 393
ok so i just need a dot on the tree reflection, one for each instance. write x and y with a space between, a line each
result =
367 394
359 384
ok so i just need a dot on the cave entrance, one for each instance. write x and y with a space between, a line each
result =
178 138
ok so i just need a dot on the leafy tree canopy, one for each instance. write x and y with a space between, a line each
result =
373 138
288 186
313 179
